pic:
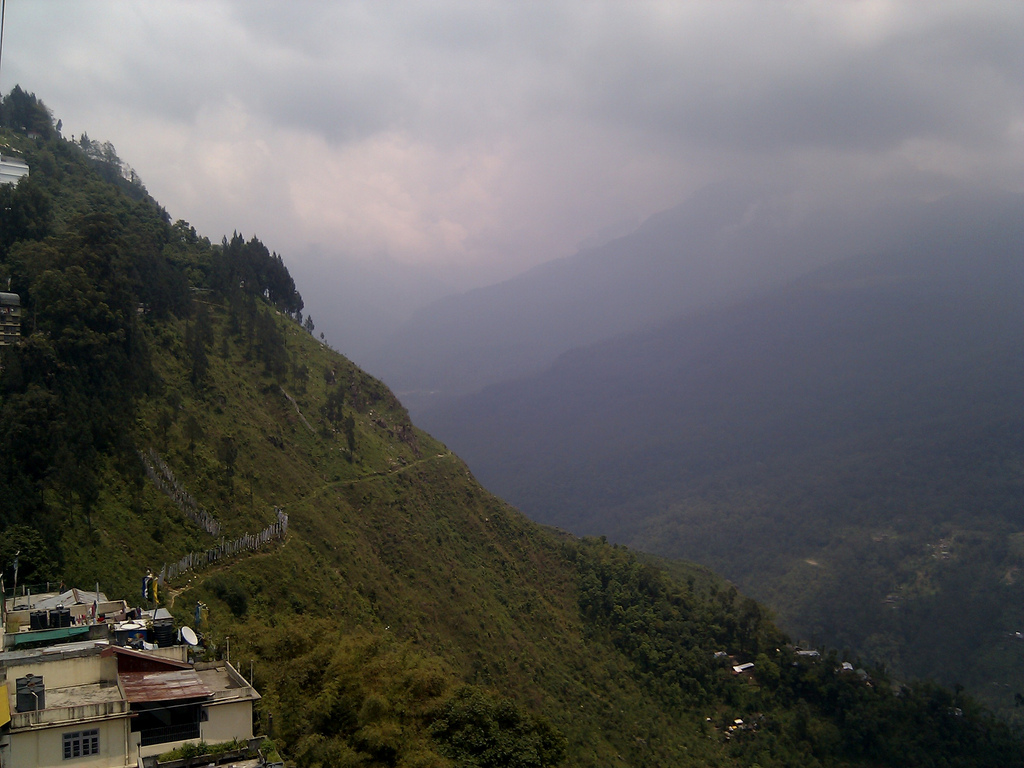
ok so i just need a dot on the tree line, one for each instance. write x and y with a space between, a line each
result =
99 267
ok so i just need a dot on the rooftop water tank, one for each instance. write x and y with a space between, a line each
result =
29 693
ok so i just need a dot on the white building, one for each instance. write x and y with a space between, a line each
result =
12 169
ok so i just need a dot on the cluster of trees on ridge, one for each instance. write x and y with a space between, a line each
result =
96 264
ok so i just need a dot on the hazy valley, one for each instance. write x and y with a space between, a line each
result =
847 447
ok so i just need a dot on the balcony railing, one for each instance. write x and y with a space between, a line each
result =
81 713
168 733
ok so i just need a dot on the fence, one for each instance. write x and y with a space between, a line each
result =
247 542
161 475
168 733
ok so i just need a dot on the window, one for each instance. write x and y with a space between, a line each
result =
81 743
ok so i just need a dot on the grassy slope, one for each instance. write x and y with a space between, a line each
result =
399 551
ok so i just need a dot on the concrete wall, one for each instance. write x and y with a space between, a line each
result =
64 673
45 747
232 720
155 749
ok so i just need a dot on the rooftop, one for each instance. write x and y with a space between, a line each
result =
63 651
68 597
224 681
79 695
168 685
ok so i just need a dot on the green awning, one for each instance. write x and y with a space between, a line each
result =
48 635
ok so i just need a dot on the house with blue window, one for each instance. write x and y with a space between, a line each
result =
81 695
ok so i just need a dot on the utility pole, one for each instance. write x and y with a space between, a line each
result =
3 10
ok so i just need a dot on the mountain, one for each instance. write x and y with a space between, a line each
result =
727 242
847 448
165 409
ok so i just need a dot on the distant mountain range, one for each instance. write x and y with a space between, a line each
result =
849 446
725 243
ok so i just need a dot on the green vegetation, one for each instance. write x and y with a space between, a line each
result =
477 729
409 618
269 750
796 709
201 749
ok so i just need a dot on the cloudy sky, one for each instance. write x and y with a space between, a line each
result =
486 137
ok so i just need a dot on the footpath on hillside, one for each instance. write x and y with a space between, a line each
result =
162 476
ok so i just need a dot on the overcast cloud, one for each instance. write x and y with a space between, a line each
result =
493 136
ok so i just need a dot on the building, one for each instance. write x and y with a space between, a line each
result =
70 694
12 169
10 318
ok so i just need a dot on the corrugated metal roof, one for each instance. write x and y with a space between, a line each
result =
71 596
46 635
173 685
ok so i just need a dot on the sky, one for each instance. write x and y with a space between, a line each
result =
467 141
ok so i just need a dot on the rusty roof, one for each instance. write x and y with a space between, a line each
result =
169 685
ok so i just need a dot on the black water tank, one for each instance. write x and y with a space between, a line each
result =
165 634
29 693
37 620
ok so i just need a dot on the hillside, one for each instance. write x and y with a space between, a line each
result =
408 617
846 448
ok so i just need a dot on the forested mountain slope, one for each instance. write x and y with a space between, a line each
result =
408 617
847 448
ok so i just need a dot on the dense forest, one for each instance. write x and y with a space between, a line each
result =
409 618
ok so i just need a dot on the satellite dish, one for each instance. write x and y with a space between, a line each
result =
189 636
